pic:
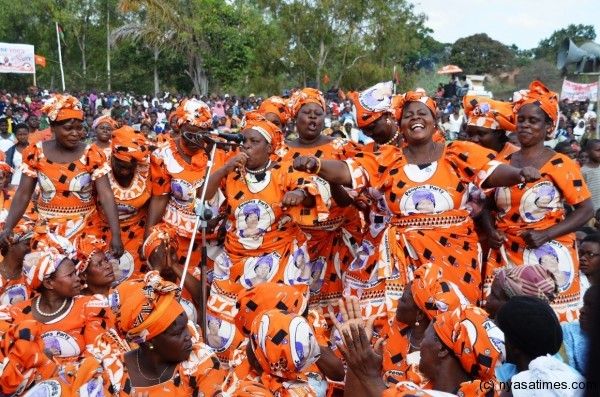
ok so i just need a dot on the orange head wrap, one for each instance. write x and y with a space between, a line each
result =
39 265
284 344
104 119
63 107
256 121
87 246
302 97
23 230
487 113
129 145
414 96
145 308
196 113
277 106
372 103
475 340
43 238
266 296
434 294
249 388
161 233
5 167
538 94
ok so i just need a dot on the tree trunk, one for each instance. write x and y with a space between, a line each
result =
156 85
197 74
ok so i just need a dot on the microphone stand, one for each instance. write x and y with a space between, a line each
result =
203 215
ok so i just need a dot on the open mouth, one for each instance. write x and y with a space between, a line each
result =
417 127
312 126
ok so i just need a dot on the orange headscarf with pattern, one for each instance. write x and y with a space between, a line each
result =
44 238
433 294
104 119
303 97
256 121
129 145
87 246
161 233
487 113
539 95
5 167
414 96
23 230
276 105
194 112
475 340
372 103
266 296
63 107
145 308
284 345
39 265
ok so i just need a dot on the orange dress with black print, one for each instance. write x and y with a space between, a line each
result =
332 244
67 200
538 206
71 335
429 222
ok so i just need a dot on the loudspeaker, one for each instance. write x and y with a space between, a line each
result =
587 56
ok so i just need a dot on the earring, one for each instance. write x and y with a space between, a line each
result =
389 122
416 323
150 346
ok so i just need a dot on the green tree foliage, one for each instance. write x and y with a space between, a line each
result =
480 54
542 70
548 48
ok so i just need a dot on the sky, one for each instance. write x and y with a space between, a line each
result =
520 22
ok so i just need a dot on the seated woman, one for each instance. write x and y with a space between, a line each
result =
167 357
271 296
526 280
95 269
533 335
459 353
70 322
281 367
13 285
274 199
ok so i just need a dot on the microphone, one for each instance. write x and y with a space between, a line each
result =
237 138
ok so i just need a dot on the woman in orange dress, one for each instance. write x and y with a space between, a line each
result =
72 177
265 201
532 227
332 244
103 126
160 249
425 189
132 188
459 354
70 322
177 171
281 367
13 285
271 296
161 353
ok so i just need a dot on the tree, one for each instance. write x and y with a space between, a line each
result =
542 70
548 48
480 54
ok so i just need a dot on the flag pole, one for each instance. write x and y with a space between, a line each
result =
62 72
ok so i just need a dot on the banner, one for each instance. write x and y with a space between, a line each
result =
17 58
579 92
